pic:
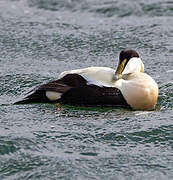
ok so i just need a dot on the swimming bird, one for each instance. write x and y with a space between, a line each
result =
127 86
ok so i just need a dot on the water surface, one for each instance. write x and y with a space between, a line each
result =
38 40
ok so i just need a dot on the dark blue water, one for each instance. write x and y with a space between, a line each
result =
41 38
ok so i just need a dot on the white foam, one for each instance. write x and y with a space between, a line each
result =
170 71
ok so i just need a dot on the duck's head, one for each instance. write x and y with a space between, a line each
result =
129 62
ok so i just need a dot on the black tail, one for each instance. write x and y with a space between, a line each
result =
37 97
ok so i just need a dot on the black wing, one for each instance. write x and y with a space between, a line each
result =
75 91
92 95
38 94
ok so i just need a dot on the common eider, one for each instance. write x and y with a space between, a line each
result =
127 86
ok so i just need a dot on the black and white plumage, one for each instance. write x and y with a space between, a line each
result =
73 89
128 86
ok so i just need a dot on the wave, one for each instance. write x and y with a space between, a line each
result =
109 8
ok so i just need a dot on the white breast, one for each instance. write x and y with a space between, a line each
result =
140 91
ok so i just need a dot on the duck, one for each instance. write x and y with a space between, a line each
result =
126 86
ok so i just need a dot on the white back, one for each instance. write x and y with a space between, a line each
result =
101 76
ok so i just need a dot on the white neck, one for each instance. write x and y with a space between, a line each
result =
134 65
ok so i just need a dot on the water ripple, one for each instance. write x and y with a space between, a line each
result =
41 38
109 8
